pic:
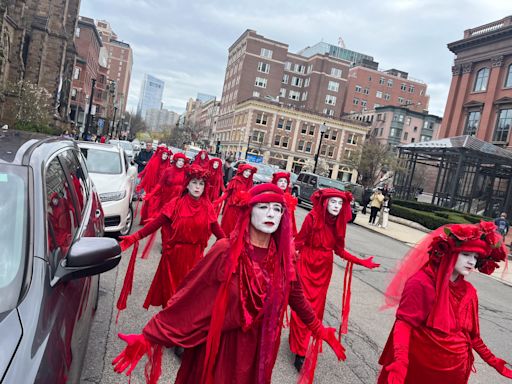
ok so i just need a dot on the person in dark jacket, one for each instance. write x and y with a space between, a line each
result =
228 171
143 156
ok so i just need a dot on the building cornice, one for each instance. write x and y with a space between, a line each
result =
479 40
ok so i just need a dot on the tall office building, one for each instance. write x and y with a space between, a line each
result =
151 93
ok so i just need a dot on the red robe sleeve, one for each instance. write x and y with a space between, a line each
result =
305 232
217 230
151 226
417 300
186 320
299 304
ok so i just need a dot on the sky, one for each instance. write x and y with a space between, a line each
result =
185 43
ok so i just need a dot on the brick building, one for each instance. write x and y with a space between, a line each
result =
288 137
370 88
37 46
480 98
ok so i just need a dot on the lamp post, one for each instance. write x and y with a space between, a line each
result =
113 133
323 129
88 120
248 144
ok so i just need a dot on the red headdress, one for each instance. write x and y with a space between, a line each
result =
439 250
202 163
282 175
194 171
243 167
275 303
179 155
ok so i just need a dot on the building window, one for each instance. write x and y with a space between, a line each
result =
255 94
288 126
296 81
311 130
329 99
323 150
400 100
352 139
277 141
263 67
285 142
328 112
333 86
366 91
261 118
363 103
304 96
401 118
382 81
336 72
280 124
503 125
294 95
285 79
299 68
77 32
411 88
310 68
406 134
387 96
390 83
355 101
300 146
472 121
334 134
403 87
330 151
308 147
347 154
378 95
306 82
358 88
76 73
260 82
304 129
287 65
266 53
508 81
73 94
258 136
393 132
425 138
282 92
408 121
481 80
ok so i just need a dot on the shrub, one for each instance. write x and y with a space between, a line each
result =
428 219
441 211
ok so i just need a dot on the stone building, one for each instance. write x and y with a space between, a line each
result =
36 45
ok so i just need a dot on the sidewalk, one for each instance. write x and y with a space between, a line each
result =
412 233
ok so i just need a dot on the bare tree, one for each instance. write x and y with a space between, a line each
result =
136 123
322 168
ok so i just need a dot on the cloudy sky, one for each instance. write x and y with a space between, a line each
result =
185 43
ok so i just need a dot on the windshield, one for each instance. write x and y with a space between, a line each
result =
13 233
99 161
329 183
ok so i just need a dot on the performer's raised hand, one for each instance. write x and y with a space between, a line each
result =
329 336
136 347
368 263
504 370
397 371
127 241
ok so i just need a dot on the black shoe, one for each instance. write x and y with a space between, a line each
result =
178 351
299 362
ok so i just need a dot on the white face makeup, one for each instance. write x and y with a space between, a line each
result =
334 205
282 183
466 262
180 163
165 155
196 188
247 173
265 217
203 156
215 165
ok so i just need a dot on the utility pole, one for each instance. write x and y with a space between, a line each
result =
88 122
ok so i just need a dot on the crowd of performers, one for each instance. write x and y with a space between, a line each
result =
225 310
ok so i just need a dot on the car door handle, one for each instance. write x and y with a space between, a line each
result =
97 213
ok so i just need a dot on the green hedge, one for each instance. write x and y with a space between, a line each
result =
441 211
429 220
32 127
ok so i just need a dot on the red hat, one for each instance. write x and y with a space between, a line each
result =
282 175
194 171
243 167
179 155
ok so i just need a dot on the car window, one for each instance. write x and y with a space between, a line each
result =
301 176
100 161
312 180
60 212
305 179
78 178
126 162
330 183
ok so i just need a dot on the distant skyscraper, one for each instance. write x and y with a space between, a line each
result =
150 95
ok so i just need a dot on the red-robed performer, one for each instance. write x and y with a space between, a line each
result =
229 310
171 185
437 325
150 177
322 232
239 184
187 223
215 181
282 180
202 159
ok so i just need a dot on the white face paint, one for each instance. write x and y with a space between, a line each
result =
265 217
282 183
180 163
203 156
247 173
215 165
165 155
466 262
196 188
334 205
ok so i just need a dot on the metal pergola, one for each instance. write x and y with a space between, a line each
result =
467 174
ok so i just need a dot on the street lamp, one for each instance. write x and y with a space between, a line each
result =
323 129
88 121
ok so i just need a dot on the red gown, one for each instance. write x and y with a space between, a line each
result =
215 182
186 224
170 186
291 204
234 190
203 163
186 321
436 357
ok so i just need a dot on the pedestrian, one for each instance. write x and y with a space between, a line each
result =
143 156
228 171
437 323
384 212
202 159
229 310
233 196
322 233
215 183
502 224
366 199
376 200
282 180
103 139
150 177
187 223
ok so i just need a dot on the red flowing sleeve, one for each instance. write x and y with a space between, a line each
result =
151 226
417 300
299 304
186 320
305 232
217 230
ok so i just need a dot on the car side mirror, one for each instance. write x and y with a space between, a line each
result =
87 257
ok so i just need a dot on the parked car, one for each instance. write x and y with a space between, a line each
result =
127 146
357 190
307 183
50 256
115 178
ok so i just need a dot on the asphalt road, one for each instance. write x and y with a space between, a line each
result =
368 327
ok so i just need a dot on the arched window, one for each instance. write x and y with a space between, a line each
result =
508 80
481 80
